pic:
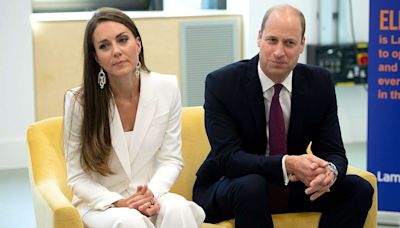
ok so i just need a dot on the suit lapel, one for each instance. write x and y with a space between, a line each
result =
118 140
145 113
256 98
299 105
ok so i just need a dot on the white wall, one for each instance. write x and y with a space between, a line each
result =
253 12
352 100
360 19
352 111
16 82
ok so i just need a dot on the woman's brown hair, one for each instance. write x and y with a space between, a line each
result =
95 132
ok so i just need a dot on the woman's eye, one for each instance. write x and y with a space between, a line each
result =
123 39
103 46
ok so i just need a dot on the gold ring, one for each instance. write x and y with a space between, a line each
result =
151 202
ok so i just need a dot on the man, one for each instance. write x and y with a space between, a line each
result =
256 168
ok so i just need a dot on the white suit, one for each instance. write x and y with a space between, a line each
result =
152 156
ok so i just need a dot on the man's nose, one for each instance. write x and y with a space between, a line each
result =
279 51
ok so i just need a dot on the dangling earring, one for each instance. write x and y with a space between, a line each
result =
137 71
101 78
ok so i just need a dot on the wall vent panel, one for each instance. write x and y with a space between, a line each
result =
205 47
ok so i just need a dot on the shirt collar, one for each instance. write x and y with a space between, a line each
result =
267 83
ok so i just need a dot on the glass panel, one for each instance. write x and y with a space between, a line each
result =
213 4
47 6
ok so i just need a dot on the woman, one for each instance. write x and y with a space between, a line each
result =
122 134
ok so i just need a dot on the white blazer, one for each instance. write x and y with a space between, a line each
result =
155 160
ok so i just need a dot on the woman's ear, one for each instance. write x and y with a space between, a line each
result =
139 45
95 57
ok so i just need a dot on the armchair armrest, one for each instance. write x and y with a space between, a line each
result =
54 208
371 221
50 193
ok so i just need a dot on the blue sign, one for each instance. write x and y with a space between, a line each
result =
384 101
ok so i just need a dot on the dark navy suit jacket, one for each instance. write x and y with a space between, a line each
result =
236 124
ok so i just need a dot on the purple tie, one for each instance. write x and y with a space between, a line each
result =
279 195
277 134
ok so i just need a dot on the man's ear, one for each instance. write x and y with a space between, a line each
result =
259 38
303 41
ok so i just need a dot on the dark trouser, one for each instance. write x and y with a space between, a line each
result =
247 200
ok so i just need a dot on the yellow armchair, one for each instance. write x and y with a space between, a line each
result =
52 197
50 193
195 150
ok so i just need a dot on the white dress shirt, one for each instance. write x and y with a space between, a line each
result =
285 100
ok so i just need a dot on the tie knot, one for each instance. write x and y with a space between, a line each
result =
277 88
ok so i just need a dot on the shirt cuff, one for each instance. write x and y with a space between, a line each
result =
333 169
285 175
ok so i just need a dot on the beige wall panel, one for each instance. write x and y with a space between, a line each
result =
58 55
160 37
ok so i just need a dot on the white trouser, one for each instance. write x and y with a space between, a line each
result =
175 212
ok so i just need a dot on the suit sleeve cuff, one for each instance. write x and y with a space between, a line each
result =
106 201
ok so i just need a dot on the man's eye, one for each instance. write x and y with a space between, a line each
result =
291 43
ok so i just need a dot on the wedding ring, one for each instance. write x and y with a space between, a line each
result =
151 202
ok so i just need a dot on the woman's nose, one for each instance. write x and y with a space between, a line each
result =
116 51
